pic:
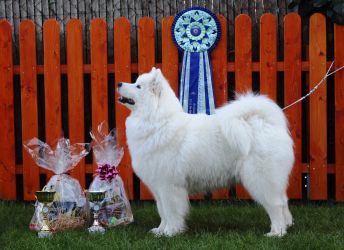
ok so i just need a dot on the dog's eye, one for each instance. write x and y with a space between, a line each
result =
138 86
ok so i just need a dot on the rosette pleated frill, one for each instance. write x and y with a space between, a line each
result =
196 32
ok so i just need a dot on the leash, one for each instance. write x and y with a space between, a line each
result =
316 86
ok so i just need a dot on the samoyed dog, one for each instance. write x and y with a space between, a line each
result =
176 154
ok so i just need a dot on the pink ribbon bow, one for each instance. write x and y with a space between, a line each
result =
106 172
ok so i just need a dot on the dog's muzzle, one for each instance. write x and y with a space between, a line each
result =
125 100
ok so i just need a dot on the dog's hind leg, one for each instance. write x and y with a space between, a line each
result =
175 206
288 218
275 212
274 207
271 198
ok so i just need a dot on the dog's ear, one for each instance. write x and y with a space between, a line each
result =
156 82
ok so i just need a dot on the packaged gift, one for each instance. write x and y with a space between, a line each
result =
69 208
115 209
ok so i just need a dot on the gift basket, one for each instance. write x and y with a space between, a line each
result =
115 209
69 208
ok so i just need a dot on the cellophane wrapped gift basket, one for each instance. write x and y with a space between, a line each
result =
69 209
115 209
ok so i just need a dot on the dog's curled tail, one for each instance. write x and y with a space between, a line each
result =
237 119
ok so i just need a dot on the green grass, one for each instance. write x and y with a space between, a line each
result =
212 225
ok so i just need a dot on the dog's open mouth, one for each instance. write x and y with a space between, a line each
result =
125 100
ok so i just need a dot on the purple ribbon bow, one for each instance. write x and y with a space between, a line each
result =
106 172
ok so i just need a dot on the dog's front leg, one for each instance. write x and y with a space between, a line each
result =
175 206
159 230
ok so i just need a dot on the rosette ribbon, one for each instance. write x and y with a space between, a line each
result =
196 31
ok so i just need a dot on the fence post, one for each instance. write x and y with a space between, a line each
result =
123 74
52 83
28 80
170 64
317 108
76 107
339 110
99 82
292 92
268 56
7 146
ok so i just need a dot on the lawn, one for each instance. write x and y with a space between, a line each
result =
212 225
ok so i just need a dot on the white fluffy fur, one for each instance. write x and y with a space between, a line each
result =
176 154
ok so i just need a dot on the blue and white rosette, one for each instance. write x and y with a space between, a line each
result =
196 32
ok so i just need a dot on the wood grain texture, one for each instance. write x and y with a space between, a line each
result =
7 140
52 83
339 110
123 74
75 75
28 80
268 56
170 65
318 108
292 92
99 78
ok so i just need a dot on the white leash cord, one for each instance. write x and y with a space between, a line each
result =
316 86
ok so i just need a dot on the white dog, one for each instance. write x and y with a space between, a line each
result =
176 154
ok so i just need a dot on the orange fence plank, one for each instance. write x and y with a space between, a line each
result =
99 84
292 92
76 91
268 55
219 63
123 74
243 68
169 55
28 79
146 60
243 54
52 83
339 109
317 107
7 147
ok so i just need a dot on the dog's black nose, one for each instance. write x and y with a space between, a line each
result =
120 84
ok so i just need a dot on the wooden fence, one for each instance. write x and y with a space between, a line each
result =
86 10
243 67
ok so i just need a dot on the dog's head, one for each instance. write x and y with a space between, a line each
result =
144 93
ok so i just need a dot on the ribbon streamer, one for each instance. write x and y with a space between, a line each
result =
196 32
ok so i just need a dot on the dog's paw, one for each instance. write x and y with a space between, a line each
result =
289 224
170 232
156 231
276 234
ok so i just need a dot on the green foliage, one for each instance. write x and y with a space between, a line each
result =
333 9
212 225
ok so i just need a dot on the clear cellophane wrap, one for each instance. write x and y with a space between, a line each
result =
115 209
69 208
